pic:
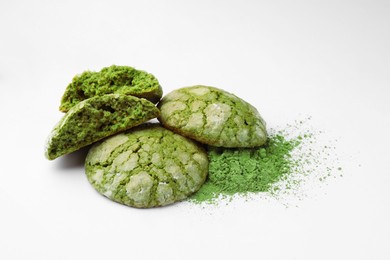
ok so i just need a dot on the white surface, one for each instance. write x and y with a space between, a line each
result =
290 59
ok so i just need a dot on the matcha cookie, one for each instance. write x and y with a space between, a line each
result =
114 79
147 166
212 116
96 118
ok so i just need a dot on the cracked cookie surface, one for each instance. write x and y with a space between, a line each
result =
147 166
96 118
114 79
212 116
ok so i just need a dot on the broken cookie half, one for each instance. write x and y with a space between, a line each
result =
123 80
96 118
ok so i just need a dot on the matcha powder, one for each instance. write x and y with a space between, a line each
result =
279 165
234 171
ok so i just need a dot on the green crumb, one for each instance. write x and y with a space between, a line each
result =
242 171
123 80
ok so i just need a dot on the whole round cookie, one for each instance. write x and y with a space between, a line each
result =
147 166
212 116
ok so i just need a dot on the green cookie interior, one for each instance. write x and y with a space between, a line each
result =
147 166
96 118
114 79
212 116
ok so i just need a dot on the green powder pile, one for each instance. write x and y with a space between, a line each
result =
242 171
291 158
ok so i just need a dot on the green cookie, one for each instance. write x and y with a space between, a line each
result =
96 118
147 166
114 79
212 116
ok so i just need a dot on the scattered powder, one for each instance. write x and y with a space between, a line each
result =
290 157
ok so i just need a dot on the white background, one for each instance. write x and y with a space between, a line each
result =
290 59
